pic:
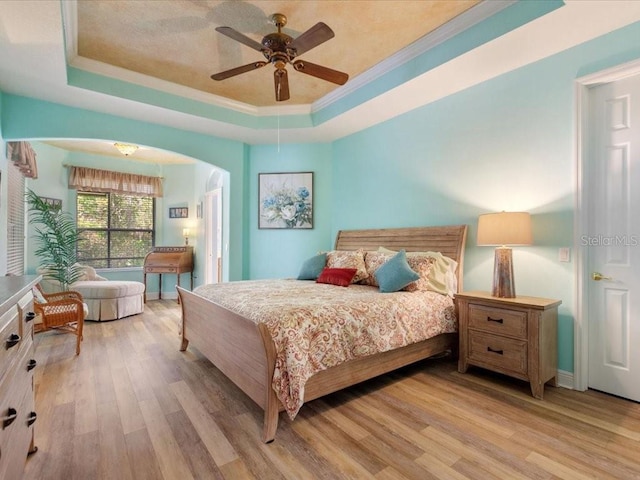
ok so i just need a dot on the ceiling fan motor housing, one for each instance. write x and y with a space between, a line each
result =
277 44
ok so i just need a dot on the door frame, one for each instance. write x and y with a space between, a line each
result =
581 221
213 199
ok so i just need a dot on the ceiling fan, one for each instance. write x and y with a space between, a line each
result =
280 49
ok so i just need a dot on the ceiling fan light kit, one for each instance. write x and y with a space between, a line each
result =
280 49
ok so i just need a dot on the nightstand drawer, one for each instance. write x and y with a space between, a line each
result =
501 352
498 320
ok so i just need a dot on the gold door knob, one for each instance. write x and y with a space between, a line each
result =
597 276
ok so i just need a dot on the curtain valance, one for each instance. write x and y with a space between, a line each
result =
94 180
24 157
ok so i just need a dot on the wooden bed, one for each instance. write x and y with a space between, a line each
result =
245 352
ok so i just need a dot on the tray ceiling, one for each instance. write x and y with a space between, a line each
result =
176 41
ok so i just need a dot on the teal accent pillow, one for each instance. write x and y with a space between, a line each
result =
395 273
312 267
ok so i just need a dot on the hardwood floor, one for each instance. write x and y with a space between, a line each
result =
132 406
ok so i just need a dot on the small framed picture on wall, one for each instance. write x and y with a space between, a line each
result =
178 212
54 203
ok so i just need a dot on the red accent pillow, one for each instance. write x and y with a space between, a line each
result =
337 276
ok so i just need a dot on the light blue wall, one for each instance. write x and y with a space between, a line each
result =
280 253
27 118
506 144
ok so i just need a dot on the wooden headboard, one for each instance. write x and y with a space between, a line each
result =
449 240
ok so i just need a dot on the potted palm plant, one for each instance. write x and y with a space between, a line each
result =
56 239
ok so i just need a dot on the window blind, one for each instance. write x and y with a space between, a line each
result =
15 220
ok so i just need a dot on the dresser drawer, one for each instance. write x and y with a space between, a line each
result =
498 320
16 401
13 449
10 339
165 269
500 353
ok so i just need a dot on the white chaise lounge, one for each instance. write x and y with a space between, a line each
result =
105 299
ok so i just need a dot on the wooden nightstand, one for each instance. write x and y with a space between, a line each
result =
514 336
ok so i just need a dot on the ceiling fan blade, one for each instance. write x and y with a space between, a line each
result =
241 37
238 70
282 84
319 71
313 37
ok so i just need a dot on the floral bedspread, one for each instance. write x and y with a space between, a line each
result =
316 326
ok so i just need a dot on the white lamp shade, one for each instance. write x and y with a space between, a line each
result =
185 232
505 228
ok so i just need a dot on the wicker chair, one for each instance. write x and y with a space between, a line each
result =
64 311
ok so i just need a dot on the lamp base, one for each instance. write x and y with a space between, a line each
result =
504 285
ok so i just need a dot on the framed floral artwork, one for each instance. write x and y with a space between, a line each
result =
285 200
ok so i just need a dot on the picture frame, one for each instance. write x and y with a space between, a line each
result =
54 203
178 212
285 200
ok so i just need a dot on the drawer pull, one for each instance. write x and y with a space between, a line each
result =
33 416
497 320
499 352
29 317
12 341
12 414
31 364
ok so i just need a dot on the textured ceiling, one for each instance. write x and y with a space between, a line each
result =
176 41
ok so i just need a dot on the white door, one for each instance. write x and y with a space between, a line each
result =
613 239
213 229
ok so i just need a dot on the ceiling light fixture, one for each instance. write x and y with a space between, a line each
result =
125 148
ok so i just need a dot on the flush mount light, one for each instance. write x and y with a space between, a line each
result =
125 148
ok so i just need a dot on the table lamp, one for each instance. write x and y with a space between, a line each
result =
504 229
185 234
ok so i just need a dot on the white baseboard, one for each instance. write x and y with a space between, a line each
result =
165 295
565 379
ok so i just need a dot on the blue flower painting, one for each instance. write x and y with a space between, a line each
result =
286 200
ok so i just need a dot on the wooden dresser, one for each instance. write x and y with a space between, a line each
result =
514 336
17 403
176 260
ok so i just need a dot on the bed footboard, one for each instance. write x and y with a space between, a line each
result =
239 348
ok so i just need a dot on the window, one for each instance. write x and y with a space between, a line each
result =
116 230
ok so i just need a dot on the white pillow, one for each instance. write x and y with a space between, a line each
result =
89 273
442 277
